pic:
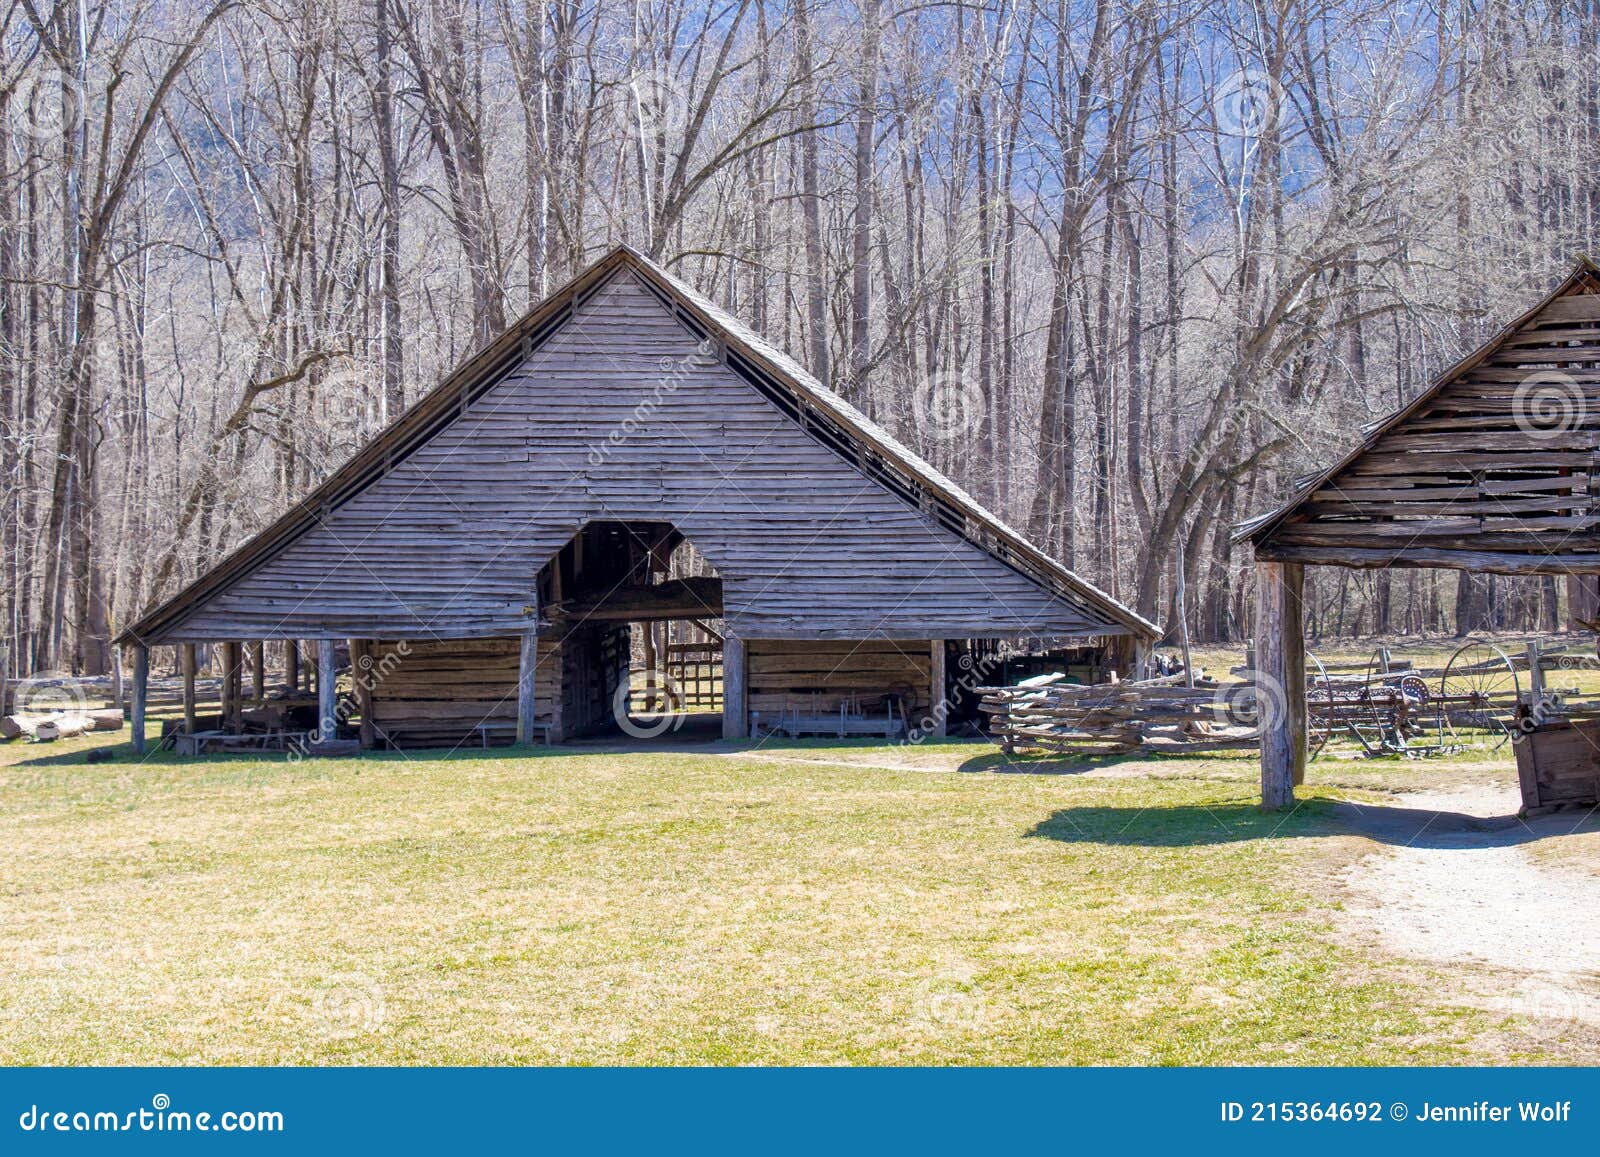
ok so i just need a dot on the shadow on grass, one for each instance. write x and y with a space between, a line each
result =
1195 825
120 755
998 762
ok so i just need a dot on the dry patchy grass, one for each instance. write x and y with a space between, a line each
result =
819 903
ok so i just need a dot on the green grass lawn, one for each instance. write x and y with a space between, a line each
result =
568 906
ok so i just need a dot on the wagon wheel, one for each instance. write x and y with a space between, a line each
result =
1319 706
1478 692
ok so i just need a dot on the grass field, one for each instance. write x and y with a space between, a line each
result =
810 904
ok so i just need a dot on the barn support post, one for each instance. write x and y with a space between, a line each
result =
258 672
186 657
527 685
361 679
735 709
291 664
1280 680
939 712
232 686
327 703
141 690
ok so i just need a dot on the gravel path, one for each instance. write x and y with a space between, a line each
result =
1456 884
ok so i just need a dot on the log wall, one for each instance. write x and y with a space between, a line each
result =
815 678
436 693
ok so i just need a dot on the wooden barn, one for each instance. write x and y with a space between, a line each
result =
627 455
1492 468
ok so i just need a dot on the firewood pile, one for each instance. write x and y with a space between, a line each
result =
1049 714
44 728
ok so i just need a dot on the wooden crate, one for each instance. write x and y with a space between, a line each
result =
1559 763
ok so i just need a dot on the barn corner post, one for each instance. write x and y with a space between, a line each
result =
186 657
735 701
362 681
327 697
141 686
1280 680
528 673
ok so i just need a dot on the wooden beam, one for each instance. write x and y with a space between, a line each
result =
1405 555
940 711
1280 678
141 690
361 677
291 664
685 598
735 699
527 699
190 665
327 701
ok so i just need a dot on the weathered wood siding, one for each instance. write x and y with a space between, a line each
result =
437 692
816 677
1493 470
621 414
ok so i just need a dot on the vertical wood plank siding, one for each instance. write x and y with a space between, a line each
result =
623 414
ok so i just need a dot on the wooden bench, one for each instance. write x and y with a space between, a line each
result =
541 732
202 742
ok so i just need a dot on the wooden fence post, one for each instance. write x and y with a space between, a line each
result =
141 687
1280 677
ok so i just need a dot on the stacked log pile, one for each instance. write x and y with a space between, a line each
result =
44 728
1164 714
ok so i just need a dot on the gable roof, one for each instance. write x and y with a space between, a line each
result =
1484 469
870 449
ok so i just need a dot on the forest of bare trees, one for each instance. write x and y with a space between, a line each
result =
1120 267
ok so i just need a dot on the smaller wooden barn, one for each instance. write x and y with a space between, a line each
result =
499 562
1494 468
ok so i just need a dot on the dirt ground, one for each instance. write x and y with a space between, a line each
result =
1460 880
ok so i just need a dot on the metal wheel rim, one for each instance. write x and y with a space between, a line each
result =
1479 667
